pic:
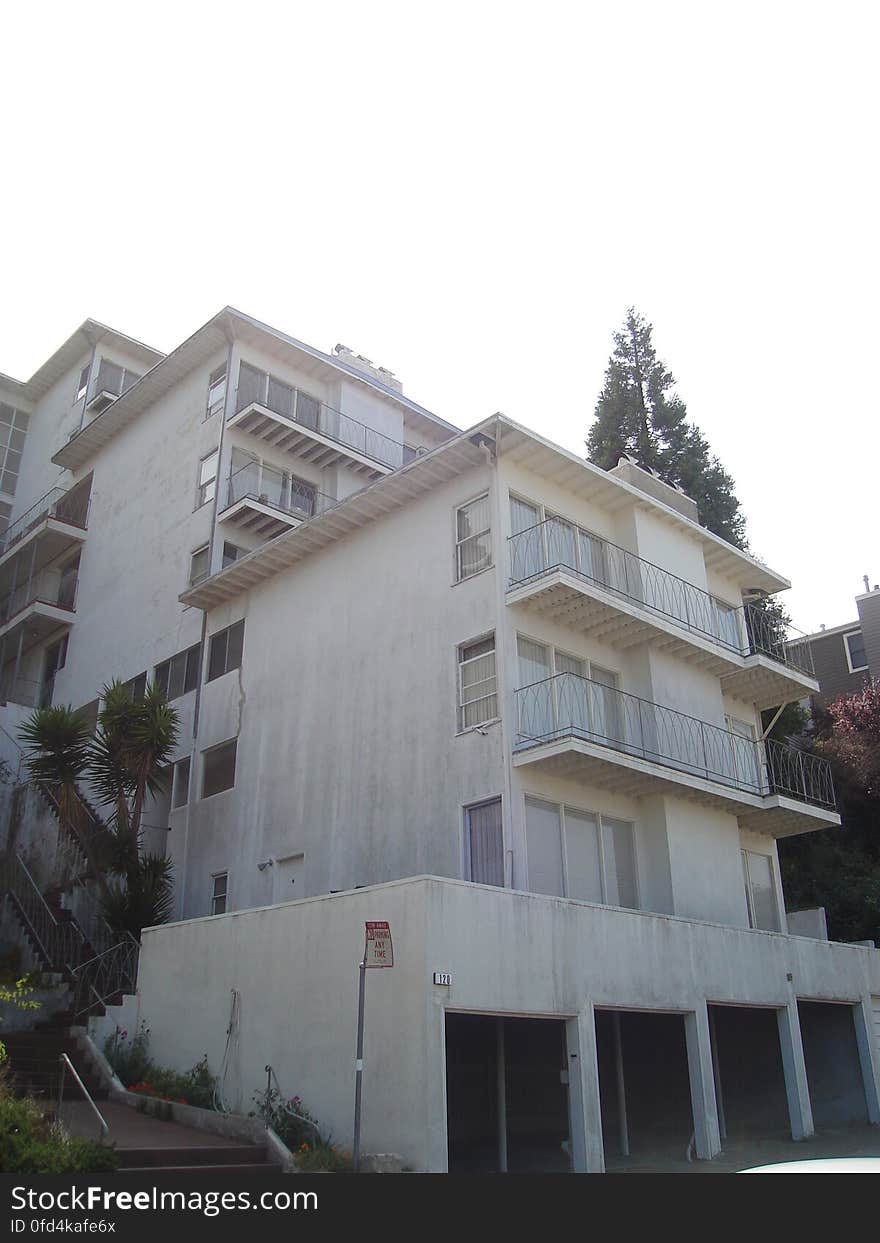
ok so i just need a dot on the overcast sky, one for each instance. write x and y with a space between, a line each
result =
472 194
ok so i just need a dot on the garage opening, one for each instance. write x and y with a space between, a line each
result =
644 1086
749 1075
506 1095
834 1072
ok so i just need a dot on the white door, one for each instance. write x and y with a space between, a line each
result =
287 878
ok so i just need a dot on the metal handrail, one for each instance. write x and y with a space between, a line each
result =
61 503
67 1064
282 495
283 1106
317 416
107 974
558 544
61 945
568 705
49 586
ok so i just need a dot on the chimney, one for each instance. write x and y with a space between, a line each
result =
867 582
367 367
647 481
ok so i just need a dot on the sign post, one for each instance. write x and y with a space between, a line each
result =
378 952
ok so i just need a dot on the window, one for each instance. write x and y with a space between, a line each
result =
854 646
219 890
760 891
580 854
484 855
180 674
564 694
473 538
199 564
216 391
180 788
83 383
13 426
218 768
5 514
231 554
136 687
114 379
477 690
208 478
225 652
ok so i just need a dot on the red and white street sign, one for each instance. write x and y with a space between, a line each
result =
378 951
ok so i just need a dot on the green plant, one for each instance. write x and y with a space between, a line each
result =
123 764
17 994
289 1119
30 1143
132 1063
322 1156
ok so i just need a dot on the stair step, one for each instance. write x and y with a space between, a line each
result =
192 1170
234 1154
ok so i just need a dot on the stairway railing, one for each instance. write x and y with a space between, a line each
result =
61 945
106 975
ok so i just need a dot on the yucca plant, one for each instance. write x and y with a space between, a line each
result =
122 765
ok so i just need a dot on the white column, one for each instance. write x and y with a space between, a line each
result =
707 1136
863 1018
797 1090
588 1153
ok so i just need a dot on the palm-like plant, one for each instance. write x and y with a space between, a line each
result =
122 765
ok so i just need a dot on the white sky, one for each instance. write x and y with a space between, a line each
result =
472 194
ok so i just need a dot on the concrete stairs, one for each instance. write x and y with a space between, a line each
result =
227 1159
35 1062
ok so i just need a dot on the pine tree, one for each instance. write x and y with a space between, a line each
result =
639 414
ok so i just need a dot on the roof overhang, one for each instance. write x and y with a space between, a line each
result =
576 474
89 334
217 333
358 510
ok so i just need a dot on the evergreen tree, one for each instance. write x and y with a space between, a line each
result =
639 414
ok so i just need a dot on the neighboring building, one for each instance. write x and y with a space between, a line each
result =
466 682
847 657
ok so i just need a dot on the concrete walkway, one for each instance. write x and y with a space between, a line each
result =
861 1141
131 1129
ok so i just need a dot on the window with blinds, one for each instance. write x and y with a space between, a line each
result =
572 853
473 538
477 686
484 849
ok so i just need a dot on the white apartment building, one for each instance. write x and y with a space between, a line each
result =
463 681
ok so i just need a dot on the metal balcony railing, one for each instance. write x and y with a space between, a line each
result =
570 706
113 379
557 544
268 486
67 506
265 390
50 586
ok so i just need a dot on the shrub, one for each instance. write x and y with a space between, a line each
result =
322 1156
131 1061
290 1120
31 1144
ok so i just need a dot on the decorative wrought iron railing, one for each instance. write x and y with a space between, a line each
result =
107 975
557 544
267 485
261 388
70 506
569 706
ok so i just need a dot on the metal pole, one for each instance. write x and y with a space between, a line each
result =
359 1067
60 1090
621 1087
501 1092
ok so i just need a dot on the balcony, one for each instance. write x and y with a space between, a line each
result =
111 382
266 502
58 520
580 580
38 606
574 726
297 423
